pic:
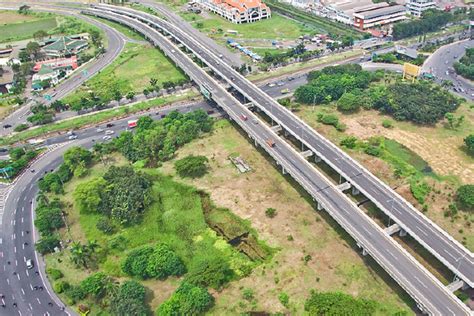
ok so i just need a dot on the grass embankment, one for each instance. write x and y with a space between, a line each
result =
307 65
131 71
178 216
95 118
17 26
122 29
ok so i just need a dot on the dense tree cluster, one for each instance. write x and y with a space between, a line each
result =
41 115
158 261
49 217
158 140
19 159
469 142
421 103
188 299
192 166
465 66
121 194
336 303
331 83
432 20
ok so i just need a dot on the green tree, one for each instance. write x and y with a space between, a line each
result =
465 196
33 49
349 142
187 300
164 262
130 95
47 244
469 142
136 262
39 35
75 156
349 102
48 219
95 284
130 300
192 166
87 195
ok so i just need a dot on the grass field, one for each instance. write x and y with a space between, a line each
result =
15 26
131 71
275 28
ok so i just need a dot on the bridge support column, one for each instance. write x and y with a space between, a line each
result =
283 170
364 252
317 158
402 233
319 206
355 191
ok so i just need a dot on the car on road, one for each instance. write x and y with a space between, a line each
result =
99 130
271 84
243 117
3 150
221 56
280 83
107 137
285 91
109 132
72 137
29 264
109 125
7 126
291 78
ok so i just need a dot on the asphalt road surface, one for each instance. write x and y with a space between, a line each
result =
401 266
116 42
449 251
441 62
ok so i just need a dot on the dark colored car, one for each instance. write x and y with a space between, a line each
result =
109 125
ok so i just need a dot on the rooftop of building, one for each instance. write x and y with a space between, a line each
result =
65 43
241 5
6 77
380 12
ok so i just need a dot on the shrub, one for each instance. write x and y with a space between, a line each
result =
136 262
465 196
76 293
349 102
328 119
130 300
20 127
248 294
336 303
469 142
387 123
164 262
106 226
54 274
349 142
95 284
192 166
61 286
284 299
373 151
271 212
419 188
187 300
209 271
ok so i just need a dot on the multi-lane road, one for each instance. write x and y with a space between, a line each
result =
116 42
440 64
416 280
450 252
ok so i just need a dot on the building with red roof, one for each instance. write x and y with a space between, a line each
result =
238 11
57 63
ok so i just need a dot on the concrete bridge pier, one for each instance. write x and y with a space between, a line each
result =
317 158
319 206
402 233
355 191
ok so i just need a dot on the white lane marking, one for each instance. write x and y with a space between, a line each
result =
18 276
22 208
450 254
31 286
420 282
421 230
27 273
31 307
16 262
38 300
22 219
14 249
22 291
8 281
24 259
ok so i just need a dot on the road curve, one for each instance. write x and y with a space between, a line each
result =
116 43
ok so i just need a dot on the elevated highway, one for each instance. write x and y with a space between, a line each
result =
430 295
445 248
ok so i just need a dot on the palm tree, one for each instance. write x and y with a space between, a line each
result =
153 82
78 255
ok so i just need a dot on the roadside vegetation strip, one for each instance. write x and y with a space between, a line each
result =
307 65
95 118
122 29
